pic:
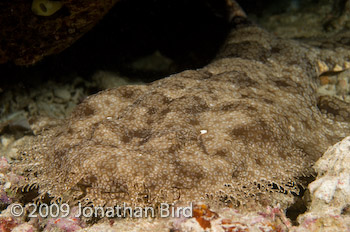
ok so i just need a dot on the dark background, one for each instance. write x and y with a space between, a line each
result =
189 32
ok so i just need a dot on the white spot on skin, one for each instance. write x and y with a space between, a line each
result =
291 128
7 185
203 132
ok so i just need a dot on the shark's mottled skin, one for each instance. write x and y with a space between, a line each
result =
244 128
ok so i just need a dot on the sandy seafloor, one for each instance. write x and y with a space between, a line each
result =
56 99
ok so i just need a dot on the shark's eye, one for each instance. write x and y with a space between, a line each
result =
46 7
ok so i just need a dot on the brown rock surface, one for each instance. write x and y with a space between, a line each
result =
25 37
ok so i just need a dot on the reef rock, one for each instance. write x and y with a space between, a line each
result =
332 186
31 30
330 192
